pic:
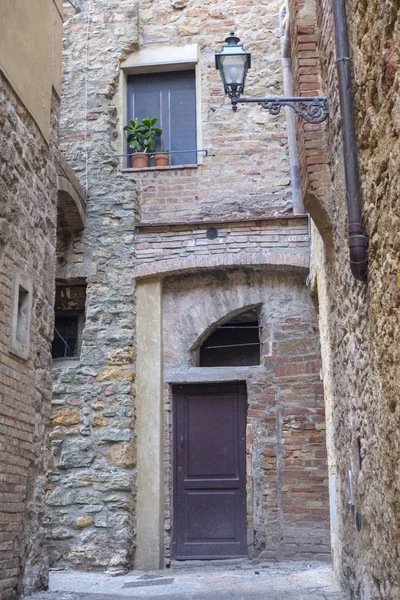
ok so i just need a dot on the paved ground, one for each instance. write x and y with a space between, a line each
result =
240 581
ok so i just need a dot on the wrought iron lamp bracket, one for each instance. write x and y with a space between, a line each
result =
313 109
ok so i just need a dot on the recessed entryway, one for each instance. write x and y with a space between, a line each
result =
209 519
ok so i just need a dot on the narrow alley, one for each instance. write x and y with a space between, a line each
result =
199 299
242 581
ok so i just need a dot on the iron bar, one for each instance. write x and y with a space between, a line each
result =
239 327
169 152
312 109
233 345
66 345
76 8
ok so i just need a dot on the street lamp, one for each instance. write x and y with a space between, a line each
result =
233 62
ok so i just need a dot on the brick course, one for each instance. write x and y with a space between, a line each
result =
168 243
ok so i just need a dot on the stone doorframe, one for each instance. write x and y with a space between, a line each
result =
150 426
150 507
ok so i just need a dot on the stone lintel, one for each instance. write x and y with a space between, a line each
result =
210 374
275 221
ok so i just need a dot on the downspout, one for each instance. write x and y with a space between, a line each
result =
357 240
297 195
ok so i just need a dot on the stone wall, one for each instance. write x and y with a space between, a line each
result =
28 190
91 481
360 323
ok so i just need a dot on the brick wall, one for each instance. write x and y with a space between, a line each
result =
312 140
28 180
169 243
246 170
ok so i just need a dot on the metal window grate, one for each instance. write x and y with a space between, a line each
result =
65 343
149 582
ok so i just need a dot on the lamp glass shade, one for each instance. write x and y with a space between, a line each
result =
233 62
233 69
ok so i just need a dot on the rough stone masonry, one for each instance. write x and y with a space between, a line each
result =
28 180
359 323
242 189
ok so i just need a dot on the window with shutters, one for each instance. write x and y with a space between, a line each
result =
171 97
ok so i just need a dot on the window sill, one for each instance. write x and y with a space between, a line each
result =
171 168
70 361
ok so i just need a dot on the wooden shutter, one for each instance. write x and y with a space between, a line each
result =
172 98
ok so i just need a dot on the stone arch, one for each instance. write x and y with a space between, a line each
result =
232 291
70 206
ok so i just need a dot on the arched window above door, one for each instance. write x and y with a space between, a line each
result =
235 343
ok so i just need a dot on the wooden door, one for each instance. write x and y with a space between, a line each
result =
210 471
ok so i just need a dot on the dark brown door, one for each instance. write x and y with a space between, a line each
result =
210 471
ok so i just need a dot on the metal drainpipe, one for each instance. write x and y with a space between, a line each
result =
358 243
297 195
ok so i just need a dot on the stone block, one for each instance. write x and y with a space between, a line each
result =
84 521
110 434
76 452
115 374
66 417
122 455
122 356
99 421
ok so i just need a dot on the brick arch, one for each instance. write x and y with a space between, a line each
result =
276 261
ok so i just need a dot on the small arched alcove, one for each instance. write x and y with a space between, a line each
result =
232 342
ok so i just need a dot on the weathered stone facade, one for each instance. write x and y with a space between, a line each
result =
151 225
91 478
359 323
28 214
287 487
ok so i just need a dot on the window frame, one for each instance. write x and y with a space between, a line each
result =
161 59
80 324
78 309
22 283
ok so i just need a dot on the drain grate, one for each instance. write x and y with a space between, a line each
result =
165 581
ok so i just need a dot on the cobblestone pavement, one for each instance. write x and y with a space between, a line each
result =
241 581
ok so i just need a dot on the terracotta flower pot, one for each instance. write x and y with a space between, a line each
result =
140 160
162 160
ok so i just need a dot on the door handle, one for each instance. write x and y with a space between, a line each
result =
181 443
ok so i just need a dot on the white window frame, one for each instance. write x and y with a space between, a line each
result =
160 59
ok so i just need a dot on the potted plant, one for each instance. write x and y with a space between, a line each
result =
162 159
141 137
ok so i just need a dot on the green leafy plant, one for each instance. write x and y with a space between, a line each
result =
141 135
